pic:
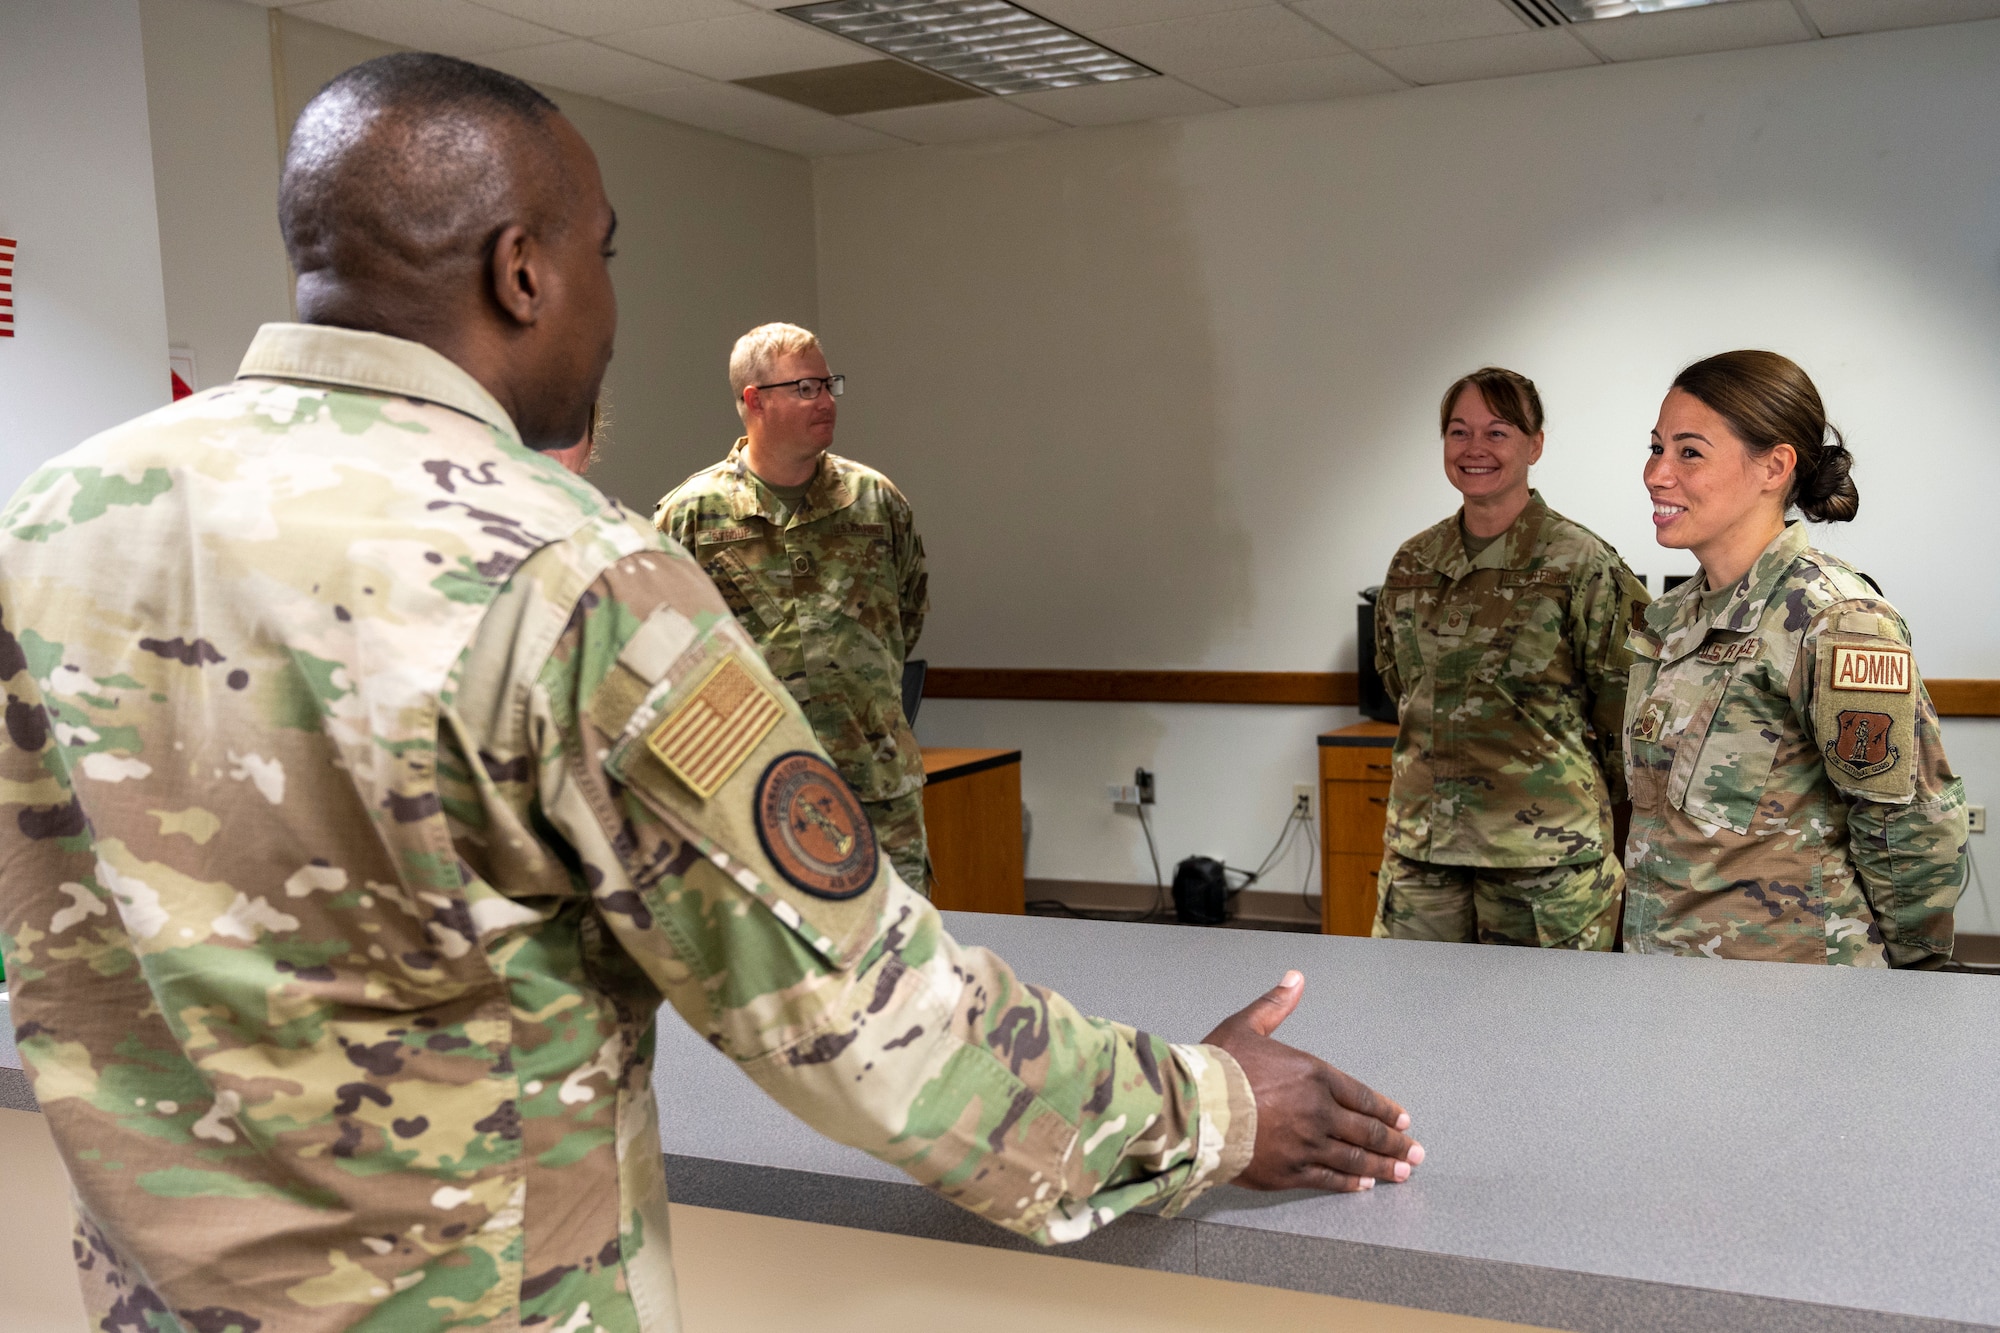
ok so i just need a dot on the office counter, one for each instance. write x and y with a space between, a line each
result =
1615 1143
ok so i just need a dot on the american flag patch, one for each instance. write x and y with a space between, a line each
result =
6 287
714 730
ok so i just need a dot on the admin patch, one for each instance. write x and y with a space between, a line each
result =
1864 718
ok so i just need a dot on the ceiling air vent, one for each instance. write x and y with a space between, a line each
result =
992 45
1554 13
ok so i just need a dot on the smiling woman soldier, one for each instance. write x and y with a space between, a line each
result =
1501 634
1791 798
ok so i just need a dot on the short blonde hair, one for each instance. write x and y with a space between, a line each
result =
757 351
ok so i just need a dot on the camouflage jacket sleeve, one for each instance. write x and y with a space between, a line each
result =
913 581
676 518
1385 645
1607 603
769 922
1867 714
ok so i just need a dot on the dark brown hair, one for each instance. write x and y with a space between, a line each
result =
1509 396
1767 400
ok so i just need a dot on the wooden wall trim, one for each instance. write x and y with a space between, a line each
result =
1954 698
1161 687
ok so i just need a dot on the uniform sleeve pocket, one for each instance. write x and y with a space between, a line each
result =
1723 761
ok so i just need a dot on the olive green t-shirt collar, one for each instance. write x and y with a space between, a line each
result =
372 363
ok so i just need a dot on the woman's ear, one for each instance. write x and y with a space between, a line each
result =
1779 465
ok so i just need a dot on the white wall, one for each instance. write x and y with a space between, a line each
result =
1164 395
215 168
76 190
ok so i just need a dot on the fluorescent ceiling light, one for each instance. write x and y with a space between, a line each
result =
1579 11
992 45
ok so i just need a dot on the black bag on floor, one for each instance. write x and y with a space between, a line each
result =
1201 891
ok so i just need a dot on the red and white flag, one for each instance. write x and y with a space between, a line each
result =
6 287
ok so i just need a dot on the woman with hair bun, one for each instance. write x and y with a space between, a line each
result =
1791 799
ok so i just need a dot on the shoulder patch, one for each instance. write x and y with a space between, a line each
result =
1865 718
1871 670
813 829
714 729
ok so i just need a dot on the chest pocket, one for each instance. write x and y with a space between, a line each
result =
1722 759
744 587
1533 634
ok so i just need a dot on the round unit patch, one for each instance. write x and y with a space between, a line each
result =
813 828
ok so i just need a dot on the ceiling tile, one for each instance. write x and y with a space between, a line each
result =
1084 15
1116 103
592 18
955 122
1839 17
454 27
867 85
713 106
1487 57
821 136
1372 25
586 67
1218 41
741 47
1681 32
1298 80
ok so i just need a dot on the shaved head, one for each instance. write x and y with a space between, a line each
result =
450 204
402 170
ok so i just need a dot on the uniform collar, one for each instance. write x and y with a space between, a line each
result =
1684 620
371 363
1515 548
829 491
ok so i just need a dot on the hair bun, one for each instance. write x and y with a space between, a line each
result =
1829 494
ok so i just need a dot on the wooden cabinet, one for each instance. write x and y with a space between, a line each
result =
1353 806
972 819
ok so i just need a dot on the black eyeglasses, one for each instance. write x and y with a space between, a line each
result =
809 387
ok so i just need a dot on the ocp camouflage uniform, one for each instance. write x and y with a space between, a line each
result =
1510 671
352 840
1791 799
835 595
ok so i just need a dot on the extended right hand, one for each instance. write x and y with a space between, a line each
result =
1316 1127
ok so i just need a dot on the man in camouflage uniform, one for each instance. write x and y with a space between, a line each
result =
819 558
370 781
1510 668
1791 797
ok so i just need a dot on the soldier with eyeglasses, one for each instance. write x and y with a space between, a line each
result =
819 558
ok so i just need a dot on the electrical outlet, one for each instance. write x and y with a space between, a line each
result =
1975 819
1143 777
1122 793
1302 799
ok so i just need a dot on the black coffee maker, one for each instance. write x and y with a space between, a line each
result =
1374 699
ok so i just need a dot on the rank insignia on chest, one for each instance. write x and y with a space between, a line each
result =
1872 670
1863 746
1647 728
712 731
1455 621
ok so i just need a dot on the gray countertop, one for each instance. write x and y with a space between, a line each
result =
1614 1143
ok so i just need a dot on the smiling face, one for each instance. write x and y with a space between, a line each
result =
1486 457
1710 493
